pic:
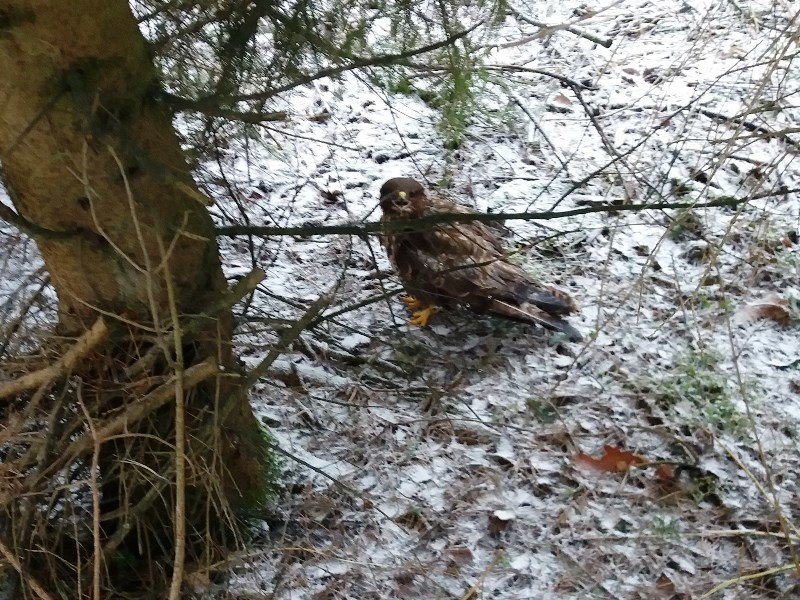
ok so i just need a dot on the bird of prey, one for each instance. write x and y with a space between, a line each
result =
451 263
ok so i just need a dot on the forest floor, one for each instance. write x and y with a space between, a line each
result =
455 461
476 458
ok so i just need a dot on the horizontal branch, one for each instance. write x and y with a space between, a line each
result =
179 103
378 228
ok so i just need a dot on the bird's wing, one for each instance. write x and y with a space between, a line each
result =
449 266
444 260
474 249
473 271
508 282
452 261
474 230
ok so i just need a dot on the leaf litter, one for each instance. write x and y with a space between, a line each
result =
441 462
458 447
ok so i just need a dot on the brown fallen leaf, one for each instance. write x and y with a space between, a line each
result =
665 585
561 99
773 308
614 460
460 554
665 472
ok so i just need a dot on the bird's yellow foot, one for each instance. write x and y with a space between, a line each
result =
412 303
421 317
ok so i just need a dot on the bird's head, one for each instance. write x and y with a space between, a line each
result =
402 198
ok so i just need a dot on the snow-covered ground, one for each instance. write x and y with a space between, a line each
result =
440 462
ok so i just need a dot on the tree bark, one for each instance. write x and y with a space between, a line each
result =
71 171
91 159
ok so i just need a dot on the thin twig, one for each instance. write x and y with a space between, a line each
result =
549 29
286 338
95 489
34 584
742 578
473 591
180 431
13 326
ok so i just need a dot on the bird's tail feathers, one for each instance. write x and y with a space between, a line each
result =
529 313
553 301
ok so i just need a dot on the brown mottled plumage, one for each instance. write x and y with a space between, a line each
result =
462 263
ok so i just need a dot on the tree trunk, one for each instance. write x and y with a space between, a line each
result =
91 160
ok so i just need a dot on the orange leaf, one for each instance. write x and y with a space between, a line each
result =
773 308
461 554
614 460
665 472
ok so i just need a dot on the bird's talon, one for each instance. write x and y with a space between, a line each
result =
420 318
412 303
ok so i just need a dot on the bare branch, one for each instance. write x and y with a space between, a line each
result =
63 365
377 228
288 336
549 29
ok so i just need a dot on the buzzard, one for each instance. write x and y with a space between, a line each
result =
448 264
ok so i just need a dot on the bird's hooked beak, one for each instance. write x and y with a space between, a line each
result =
402 201
397 203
